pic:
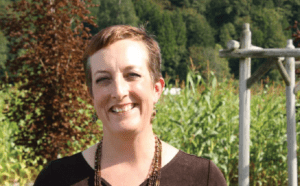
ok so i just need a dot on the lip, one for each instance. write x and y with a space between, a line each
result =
121 105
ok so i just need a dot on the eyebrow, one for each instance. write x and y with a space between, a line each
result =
130 67
100 71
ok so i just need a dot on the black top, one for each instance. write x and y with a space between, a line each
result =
183 169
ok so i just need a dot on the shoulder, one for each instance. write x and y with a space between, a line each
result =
205 169
62 171
215 176
192 170
177 159
193 164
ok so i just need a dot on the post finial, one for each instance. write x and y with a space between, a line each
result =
290 44
246 36
246 26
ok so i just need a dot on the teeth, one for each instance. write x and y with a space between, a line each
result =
123 109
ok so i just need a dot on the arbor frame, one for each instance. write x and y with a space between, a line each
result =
275 56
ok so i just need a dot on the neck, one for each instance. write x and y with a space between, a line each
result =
132 150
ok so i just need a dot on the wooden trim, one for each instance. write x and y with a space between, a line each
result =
262 70
233 44
260 53
291 120
283 73
244 112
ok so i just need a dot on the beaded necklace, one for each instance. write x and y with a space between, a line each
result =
154 172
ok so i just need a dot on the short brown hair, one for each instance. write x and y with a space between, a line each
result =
112 34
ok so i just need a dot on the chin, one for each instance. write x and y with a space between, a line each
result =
127 127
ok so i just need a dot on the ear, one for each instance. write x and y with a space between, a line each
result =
158 89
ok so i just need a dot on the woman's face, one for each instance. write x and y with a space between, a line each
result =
123 91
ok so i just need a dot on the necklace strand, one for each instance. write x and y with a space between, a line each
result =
154 174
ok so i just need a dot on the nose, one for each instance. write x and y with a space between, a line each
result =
120 88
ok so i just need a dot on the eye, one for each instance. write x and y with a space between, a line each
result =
133 75
101 79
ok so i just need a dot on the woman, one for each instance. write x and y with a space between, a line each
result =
122 65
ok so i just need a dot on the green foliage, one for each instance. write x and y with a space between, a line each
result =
207 59
199 32
3 51
268 32
3 4
222 12
179 27
268 24
13 168
291 9
47 64
227 33
113 12
204 120
200 6
181 53
166 36
201 23
150 15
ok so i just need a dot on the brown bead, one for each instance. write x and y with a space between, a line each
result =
155 168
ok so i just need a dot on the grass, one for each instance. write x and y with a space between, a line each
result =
13 167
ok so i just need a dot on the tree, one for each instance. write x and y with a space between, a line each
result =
150 15
207 59
199 32
268 32
222 12
292 8
3 51
164 4
227 33
3 4
167 41
179 27
51 75
3 40
199 5
181 53
269 22
114 12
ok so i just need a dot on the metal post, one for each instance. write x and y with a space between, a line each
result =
291 119
244 120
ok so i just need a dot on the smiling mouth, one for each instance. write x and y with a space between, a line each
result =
120 109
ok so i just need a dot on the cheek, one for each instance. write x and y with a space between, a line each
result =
146 94
100 97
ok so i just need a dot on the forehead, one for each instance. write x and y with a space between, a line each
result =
123 52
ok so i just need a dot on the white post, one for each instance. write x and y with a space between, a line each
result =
291 119
244 120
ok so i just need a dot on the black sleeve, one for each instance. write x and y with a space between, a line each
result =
48 177
70 170
215 176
